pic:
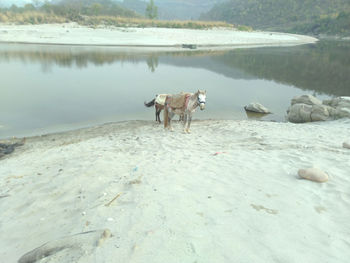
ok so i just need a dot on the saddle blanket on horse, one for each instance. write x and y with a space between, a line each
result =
178 101
160 99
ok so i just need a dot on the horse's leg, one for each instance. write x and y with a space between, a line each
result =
171 115
166 116
189 122
184 121
157 113
158 110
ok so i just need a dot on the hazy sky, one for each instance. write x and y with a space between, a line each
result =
16 2
23 2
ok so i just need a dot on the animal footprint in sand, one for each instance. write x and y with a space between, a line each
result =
267 210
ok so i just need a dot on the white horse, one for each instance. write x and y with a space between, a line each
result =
183 104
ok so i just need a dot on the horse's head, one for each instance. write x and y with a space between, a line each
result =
202 94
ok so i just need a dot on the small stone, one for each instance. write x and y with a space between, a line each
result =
313 174
346 145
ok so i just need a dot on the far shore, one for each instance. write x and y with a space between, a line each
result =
159 38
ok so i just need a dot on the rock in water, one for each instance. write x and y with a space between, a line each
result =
256 107
313 174
346 145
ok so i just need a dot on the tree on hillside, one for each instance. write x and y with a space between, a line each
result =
14 8
96 9
29 7
151 10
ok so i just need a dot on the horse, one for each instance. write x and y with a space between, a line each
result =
158 103
183 104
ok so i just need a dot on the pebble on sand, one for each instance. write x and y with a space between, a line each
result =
313 174
346 145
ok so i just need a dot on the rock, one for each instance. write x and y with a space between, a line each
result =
8 148
339 102
257 107
319 113
307 108
313 174
74 248
306 99
340 107
190 46
299 113
346 145
340 113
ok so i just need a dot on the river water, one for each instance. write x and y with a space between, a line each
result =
55 88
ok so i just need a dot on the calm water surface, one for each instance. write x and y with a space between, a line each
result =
55 88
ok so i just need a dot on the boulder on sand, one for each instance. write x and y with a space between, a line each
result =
313 174
346 145
299 113
307 108
306 99
339 102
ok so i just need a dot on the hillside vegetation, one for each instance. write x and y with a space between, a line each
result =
296 16
174 9
93 13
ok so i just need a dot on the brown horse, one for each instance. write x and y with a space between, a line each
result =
158 103
183 104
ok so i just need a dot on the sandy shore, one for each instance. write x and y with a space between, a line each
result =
228 192
73 34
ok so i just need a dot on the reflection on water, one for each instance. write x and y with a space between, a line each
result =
51 88
256 115
321 68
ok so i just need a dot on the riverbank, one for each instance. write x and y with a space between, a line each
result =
74 34
228 192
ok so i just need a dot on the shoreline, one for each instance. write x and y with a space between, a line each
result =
210 39
196 195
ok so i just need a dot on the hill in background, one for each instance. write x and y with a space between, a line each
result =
94 13
174 9
167 9
295 16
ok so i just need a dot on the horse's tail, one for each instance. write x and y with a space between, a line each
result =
166 114
150 104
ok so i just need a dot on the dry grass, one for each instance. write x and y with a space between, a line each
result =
31 18
137 22
95 21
